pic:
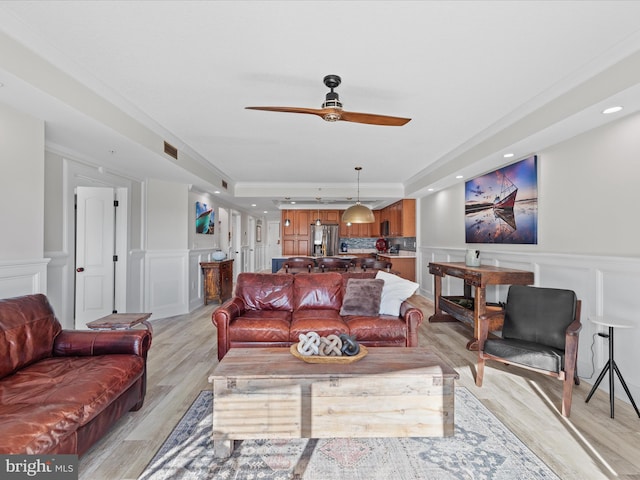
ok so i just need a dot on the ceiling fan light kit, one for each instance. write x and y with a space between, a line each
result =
332 111
358 213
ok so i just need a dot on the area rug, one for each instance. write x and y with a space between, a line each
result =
481 448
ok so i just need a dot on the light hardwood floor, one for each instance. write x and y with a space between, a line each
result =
589 445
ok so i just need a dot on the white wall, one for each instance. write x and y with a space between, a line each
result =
166 262
22 263
589 192
167 215
587 238
21 185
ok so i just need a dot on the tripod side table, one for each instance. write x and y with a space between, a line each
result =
611 366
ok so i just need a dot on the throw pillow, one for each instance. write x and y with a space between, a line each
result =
362 297
395 291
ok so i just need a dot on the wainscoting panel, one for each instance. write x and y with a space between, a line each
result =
166 282
261 258
619 297
135 281
60 287
23 277
606 286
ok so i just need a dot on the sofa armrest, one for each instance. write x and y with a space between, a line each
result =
413 317
222 317
102 342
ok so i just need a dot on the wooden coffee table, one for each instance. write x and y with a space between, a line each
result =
392 392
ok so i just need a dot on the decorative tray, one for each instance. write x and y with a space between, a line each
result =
322 359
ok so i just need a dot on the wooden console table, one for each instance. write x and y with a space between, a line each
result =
477 277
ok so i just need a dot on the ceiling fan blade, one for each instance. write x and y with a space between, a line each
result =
333 114
373 119
311 111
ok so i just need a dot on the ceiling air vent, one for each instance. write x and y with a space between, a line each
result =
170 150
225 185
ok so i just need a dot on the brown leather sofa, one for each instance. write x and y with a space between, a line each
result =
271 310
61 390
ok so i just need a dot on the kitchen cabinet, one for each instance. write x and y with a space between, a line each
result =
355 230
374 228
293 247
405 267
330 216
361 230
325 216
401 216
295 237
218 280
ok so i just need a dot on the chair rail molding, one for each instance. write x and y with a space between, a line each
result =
166 282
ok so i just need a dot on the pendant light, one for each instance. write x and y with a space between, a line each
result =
358 213
318 222
287 222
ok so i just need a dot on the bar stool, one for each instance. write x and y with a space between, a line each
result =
611 366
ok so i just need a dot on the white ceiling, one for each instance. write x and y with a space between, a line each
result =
477 78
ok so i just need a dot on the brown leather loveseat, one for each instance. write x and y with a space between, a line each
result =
61 390
271 310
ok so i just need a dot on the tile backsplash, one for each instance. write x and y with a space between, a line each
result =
406 243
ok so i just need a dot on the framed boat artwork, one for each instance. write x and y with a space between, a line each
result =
502 206
204 219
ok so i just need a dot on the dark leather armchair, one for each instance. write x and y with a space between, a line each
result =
299 262
540 333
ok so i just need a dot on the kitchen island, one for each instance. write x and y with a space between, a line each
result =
403 262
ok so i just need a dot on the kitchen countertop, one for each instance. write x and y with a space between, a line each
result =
344 255
351 254
398 255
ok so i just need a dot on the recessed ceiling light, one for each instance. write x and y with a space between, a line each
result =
265 211
508 155
216 191
430 189
253 205
293 203
459 176
609 110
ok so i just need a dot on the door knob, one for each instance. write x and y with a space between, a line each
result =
80 269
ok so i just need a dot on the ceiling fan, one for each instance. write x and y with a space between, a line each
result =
332 111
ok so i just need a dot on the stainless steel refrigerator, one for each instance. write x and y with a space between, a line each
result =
325 240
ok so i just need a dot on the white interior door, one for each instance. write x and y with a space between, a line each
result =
274 245
95 248
236 244
252 245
